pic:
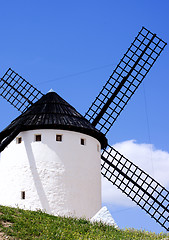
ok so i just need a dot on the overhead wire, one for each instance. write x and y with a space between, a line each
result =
75 74
148 127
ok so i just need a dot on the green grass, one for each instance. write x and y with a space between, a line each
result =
21 224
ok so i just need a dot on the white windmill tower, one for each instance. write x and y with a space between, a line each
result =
50 155
53 163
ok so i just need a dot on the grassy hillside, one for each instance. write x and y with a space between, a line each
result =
21 224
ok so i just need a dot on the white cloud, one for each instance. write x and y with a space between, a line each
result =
153 161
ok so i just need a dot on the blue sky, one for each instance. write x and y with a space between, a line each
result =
73 47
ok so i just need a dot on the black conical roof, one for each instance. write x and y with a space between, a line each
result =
53 112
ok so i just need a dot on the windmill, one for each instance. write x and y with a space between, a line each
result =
141 188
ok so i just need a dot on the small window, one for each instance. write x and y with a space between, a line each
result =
38 138
59 138
83 141
22 194
18 140
98 148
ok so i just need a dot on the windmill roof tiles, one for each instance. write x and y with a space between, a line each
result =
53 112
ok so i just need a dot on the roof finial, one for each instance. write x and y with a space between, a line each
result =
51 90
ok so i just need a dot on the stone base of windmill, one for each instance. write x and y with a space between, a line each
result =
105 217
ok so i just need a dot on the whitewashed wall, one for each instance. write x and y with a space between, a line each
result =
61 178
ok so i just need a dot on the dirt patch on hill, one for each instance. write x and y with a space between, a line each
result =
3 236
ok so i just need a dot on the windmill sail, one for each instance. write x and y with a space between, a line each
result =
5 141
125 79
137 185
16 90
